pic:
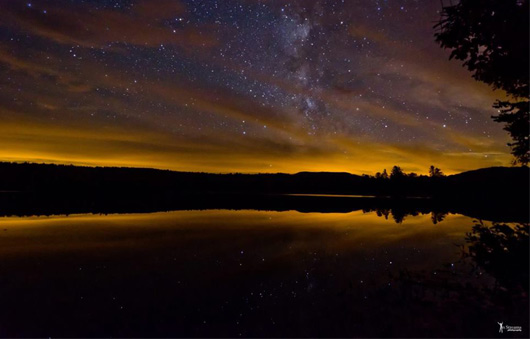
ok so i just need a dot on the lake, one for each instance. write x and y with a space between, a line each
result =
248 273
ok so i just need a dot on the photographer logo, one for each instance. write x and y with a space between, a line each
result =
509 328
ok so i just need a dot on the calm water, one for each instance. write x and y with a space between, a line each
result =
250 273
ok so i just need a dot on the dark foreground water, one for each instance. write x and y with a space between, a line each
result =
256 273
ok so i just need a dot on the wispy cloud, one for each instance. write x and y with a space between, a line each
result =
146 24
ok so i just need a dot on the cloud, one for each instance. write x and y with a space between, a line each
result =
149 23
363 32
173 110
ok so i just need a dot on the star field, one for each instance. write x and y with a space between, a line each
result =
246 86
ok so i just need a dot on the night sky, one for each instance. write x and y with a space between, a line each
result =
240 86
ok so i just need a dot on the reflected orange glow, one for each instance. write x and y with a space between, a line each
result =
331 231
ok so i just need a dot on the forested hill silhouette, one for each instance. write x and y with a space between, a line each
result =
28 188
29 177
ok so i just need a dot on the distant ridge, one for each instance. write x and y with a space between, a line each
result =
490 172
27 189
30 177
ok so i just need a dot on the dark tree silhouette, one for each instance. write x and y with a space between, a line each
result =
516 117
396 173
491 38
383 175
435 172
502 251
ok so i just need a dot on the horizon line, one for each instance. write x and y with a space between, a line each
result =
228 173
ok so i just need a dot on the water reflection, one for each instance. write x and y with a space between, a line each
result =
399 214
502 251
252 273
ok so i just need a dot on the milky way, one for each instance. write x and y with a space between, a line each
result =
246 86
